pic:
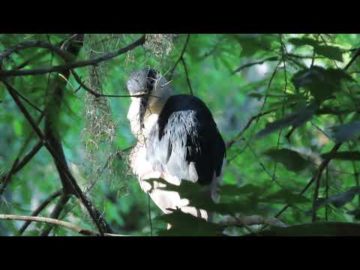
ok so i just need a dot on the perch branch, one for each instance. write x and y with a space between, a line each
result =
38 210
73 65
55 214
56 222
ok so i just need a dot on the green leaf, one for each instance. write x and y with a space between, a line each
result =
321 83
331 52
295 119
315 229
254 43
340 199
345 155
345 132
292 160
303 41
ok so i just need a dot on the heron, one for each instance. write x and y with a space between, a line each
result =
177 140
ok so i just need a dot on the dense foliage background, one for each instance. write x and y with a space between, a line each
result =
287 106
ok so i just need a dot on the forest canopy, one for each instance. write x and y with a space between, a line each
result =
287 106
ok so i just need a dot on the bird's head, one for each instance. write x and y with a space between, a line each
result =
151 88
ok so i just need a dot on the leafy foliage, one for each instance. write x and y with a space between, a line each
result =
281 102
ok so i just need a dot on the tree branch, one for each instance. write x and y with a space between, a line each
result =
38 210
97 94
187 75
248 124
34 44
56 222
62 168
18 165
73 65
252 220
180 57
315 177
65 197
357 53
272 58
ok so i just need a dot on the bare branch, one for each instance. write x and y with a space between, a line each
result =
73 65
34 44
56 222
18 165
27 101
252 220
187 75
248 124
357 53
316 176
38 210
97 94
272 58
180 57
65 197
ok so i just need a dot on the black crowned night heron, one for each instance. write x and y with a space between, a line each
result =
177 140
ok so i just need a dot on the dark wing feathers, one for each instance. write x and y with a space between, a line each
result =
186 132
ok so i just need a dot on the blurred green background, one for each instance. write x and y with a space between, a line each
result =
270 76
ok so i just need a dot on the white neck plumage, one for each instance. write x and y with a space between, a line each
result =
156 103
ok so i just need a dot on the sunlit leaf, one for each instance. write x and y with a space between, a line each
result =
331 52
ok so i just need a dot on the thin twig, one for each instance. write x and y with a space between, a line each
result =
272 58
247 125
97 94
73 65
28 101
187 75
322 166
326 192
40 208
18 165
56 222
149 213
251 220
55 214
8 176
34 44
357 53
180 57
